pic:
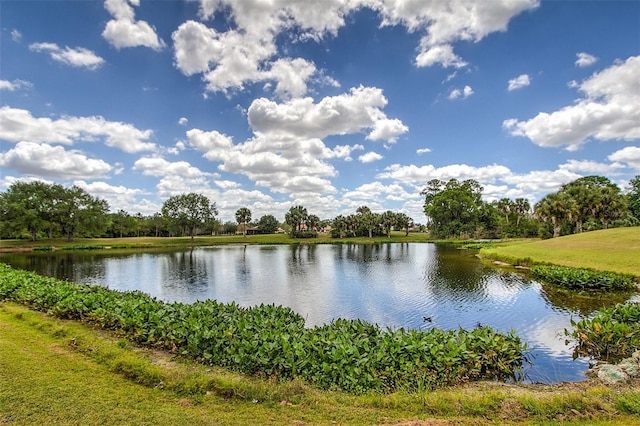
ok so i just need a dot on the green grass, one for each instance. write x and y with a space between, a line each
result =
154 242
60 372
615 250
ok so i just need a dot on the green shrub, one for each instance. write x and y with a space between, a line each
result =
612 334
583 279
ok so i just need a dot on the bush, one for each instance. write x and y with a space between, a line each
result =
583 279
612 334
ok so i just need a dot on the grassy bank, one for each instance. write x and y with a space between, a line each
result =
157 242
56 371
615 250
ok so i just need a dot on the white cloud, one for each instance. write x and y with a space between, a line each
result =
354 112
370 157
287 153
244 54
52 162
344 151
419 176
464 93
157 166
14 85
629 155
609 110
585 60
519 82
16 35
441 54
125 31
75 57
591 167
446 22
118 197
183 121
19 125
421 151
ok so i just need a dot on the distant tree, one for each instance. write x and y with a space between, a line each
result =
268 224
633 196
452 208
388 220
229 227
189 211
122 223
295 217
26 206
79 214
556 208
597 200
313 222
243 216
339 226
404 222
368 220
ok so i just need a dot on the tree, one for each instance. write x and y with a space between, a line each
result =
25 206
243 216
633 197
597 200
368 220
77 213
268 224
189 211
295 217
556 208
388 220
404 222
452 208
313 222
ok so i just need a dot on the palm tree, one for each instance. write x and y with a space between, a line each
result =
243 216
295 217
557 208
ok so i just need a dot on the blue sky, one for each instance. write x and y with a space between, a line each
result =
330 104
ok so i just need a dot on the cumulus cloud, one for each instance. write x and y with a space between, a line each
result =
41 159
14 85
76 57
118 197
183 121
287 153
591 167
157 166
124 31
609 110
352 112
629 156
370 157
585 60
519 82
458 93
245 53
19 125
16 35
421 151
444 23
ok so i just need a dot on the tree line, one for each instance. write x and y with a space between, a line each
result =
454 209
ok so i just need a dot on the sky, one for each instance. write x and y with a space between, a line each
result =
329 104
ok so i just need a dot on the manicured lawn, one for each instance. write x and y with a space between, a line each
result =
54 371
616 250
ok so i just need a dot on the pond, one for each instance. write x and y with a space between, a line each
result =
408 285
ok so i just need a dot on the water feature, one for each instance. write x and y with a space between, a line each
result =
393 285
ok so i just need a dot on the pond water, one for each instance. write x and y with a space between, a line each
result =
415 286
